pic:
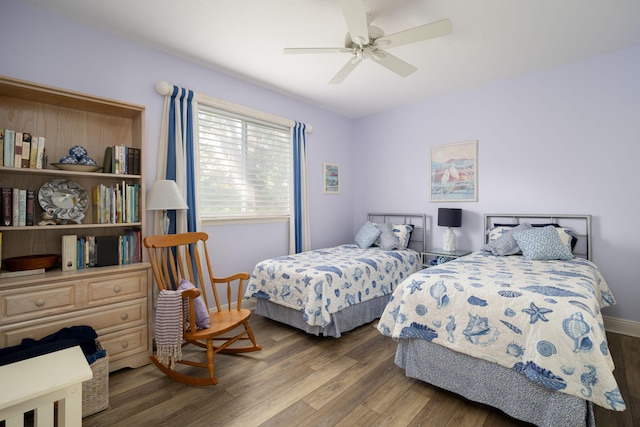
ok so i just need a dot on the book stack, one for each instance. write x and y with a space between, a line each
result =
80 252
17 207
116 204
21 149
121 159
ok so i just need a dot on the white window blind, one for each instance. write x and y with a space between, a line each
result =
245 166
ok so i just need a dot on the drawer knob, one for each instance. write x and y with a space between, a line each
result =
124 316
125 344
40 302
117 289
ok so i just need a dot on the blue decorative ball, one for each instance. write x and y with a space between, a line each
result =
78 152
87 161
69 160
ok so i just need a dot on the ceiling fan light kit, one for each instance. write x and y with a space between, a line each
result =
364 41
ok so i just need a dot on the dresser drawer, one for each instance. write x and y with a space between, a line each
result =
126 342
116 287
111 319
39 301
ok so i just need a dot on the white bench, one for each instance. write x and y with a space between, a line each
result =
37 383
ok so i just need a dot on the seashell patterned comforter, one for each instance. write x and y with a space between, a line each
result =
541 318
325 281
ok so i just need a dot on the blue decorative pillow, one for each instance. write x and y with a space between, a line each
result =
403 232
202 312
506 244
388 241
542 244
367 235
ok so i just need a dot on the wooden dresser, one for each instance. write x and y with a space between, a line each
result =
115 301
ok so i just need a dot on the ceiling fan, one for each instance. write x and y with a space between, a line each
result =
364 41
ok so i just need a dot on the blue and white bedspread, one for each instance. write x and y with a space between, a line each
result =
324 281
541 318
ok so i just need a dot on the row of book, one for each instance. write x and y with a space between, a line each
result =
21 149
121 159
80 252
116 204
17 207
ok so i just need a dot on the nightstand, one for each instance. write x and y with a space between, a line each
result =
434 253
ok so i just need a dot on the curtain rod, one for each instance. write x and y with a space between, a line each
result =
165 88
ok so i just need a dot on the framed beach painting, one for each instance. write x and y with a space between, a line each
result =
330 178
454 172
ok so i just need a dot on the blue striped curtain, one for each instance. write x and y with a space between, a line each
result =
178 138
299 224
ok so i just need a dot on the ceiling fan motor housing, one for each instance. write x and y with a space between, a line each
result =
374 33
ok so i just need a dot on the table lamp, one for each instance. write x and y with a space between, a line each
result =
163 196
449 218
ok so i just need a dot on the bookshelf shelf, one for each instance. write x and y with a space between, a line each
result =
66 119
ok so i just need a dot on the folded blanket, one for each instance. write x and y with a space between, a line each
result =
168 328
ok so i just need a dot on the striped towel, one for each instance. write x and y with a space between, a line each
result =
168 330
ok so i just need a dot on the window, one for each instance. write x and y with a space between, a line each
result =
245 167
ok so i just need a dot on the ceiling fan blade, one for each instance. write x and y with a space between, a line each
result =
356 18
417 34
345 71
302 50
393 63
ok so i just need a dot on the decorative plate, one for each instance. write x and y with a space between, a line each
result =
76 168
64 199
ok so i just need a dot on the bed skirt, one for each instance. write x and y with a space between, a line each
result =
491 384
342 321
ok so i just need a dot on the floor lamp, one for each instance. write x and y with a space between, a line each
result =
164 196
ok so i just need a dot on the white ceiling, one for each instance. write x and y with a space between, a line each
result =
492 40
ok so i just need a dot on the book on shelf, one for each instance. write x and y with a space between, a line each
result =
1 147
107 250
7 209
137 154
30 207
41 151
17 151
22 211
69 252
26 150
15 207
33 156
107 163
9 146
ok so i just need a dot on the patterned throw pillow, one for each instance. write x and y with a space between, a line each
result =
506 244
202 312
367 235
388 241
403 232
542 244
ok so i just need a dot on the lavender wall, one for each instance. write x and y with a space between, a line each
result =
562 141
559 141
46 48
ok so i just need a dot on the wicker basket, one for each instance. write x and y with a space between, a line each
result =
95 392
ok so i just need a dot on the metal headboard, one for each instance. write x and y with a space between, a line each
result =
580 224
418 240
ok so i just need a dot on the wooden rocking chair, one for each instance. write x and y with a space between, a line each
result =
180 256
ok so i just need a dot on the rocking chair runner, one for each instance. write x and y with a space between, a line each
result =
179 256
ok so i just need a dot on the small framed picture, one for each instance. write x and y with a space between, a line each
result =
330 178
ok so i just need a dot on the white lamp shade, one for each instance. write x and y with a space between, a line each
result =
165 195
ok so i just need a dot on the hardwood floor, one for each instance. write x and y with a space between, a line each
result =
303 380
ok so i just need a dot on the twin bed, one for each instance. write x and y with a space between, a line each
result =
520 332
516 326
334 290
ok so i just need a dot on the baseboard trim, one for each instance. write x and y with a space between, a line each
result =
622 326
